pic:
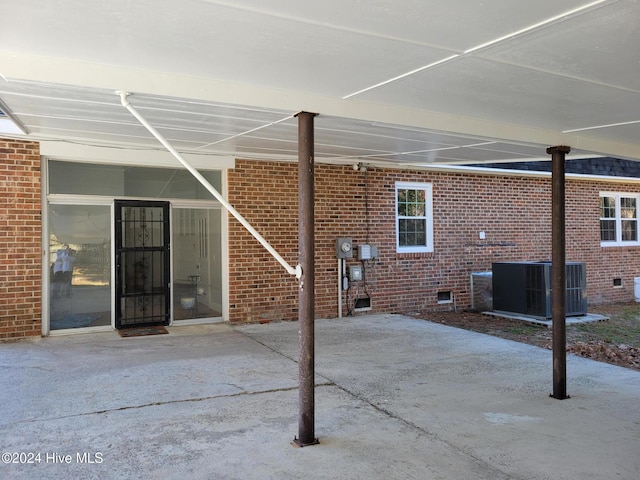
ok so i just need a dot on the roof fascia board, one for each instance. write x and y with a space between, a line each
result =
526 173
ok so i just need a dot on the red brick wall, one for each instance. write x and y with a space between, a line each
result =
514 213
266 194
20 240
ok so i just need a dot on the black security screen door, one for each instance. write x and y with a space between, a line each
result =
142 263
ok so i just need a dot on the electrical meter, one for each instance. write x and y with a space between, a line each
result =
344 248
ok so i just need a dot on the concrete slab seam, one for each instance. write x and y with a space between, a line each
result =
173 402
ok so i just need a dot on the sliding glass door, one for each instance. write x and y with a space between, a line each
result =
197 263
80 267
131 245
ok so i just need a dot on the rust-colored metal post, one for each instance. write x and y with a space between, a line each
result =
306 296
558 271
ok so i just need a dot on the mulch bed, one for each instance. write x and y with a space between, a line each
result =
600 349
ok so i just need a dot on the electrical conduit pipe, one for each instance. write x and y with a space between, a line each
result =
297 270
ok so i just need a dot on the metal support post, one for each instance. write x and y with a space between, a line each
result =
558 271
306 296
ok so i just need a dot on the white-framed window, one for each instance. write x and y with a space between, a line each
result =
619 219
414 217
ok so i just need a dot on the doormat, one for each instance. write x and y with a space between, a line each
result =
143 331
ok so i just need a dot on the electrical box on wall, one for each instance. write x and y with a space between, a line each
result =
367 252
364 252
355 273
344 248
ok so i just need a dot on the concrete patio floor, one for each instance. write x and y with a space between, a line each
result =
396 398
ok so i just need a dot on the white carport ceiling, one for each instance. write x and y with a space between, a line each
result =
455 81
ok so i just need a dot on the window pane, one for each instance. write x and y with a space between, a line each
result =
402 203
402 232
608 230
411 203
120 180
629 230
628 202
413 207
628 207
80 252
412 232
607 207
197 243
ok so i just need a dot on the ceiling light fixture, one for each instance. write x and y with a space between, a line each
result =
482 46
360 166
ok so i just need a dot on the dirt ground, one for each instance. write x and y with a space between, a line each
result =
616 341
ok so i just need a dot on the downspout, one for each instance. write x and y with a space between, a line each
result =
297 270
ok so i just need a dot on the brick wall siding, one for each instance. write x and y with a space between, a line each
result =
20 240
514 213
